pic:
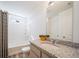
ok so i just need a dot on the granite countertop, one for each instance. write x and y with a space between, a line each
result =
60 51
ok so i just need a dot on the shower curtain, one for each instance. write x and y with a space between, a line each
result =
3 34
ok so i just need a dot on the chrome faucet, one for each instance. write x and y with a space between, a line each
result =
53 41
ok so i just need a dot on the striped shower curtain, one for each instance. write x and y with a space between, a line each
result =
3 35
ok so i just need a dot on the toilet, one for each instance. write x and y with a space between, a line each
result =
25 51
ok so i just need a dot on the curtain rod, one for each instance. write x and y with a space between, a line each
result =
15 15
10 13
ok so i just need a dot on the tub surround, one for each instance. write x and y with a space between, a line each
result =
57 50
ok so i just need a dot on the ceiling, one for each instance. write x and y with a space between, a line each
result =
58 7
23 7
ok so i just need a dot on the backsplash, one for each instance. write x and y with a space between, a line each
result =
68 43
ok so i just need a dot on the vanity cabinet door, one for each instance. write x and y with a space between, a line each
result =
44 55
32 55
35 50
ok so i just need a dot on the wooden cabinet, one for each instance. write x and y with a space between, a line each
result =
32 55
35 50
44 55
39 52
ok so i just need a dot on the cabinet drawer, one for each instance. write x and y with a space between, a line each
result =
35 50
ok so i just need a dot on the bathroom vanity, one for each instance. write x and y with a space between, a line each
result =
40 53
47 50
